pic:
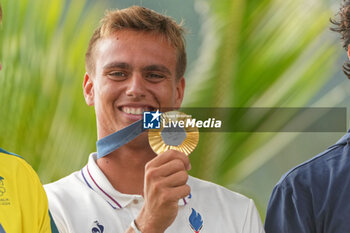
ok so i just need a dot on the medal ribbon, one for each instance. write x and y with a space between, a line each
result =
115 140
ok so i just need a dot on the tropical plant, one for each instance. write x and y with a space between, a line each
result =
268 53
42 112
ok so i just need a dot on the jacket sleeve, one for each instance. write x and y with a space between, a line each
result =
290 209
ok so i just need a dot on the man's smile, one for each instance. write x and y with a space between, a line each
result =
136 110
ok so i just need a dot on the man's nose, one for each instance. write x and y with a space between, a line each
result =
136 86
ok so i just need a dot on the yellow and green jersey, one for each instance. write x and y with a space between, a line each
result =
23 202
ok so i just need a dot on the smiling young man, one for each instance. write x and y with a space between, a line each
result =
135 62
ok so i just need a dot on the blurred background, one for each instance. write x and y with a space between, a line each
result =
256 53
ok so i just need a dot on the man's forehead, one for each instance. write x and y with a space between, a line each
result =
128 35
120 43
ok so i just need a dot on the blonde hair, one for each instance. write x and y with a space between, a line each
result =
139 19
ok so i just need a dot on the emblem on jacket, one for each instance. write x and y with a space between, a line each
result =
2 186
97 228
196 222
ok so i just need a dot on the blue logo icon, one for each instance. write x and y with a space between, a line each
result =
196 221
97 228
151 120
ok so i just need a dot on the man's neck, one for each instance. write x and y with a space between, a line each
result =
125 167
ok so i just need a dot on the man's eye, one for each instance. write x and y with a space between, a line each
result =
155 77
117 75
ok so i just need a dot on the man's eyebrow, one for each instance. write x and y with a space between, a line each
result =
160 68
112 65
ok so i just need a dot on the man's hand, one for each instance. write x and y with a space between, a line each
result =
164 184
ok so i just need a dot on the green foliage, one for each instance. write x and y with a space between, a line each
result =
269 53
42 110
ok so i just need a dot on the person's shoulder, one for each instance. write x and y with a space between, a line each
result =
63 185
22 188
63 195
13 163
10 154
332 162
9 158
211 189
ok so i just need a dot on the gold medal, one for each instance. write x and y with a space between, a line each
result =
177 132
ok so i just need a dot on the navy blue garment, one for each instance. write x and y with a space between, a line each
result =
314 197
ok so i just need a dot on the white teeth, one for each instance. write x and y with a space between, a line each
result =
134 111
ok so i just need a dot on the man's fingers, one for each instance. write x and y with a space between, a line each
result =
172 195
179 192
171 167
167 176
178 179
168 156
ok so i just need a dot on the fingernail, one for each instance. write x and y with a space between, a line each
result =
189 167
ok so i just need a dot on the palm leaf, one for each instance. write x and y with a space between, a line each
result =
43 115
267 54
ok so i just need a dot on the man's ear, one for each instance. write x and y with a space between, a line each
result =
88 86
180 90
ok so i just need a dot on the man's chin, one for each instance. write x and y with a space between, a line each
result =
140 141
